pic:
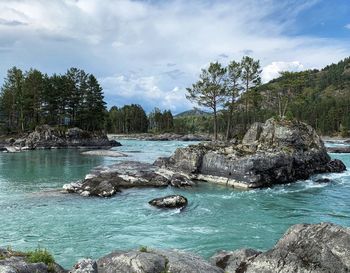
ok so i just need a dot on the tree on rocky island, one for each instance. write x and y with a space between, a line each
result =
209 91
233 88
251 71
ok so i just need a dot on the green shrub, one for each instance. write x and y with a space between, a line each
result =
40 256
143 249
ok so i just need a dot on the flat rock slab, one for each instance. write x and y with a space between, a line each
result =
105 153
106 181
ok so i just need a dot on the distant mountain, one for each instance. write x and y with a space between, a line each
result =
194 112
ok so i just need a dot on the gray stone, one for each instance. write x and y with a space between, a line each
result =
85 266
318 248
170 201
154 261
231 261
106 181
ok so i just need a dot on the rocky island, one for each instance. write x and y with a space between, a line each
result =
274 152
304 248
47 137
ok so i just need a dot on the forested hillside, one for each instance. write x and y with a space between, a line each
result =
319 97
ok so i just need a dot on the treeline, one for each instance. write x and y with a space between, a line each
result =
31 98
133 119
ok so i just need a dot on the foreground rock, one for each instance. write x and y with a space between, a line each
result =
154 261
16 262
275 152
46 137
106 181
339 149
170 201
304 248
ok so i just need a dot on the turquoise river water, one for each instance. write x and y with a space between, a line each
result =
33 213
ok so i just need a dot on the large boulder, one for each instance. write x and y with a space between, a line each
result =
275 152
305 248
170 201
154 261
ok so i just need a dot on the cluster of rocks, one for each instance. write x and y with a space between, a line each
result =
316 248
166 137
274 152
106 181
47 137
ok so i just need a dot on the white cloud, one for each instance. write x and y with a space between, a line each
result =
147 88
138 39
347 26
273 70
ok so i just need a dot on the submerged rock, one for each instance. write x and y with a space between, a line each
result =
154 261
47 137
170 201
317 248
339 149
323 180
275 152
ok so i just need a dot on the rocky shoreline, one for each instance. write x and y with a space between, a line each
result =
47 137
304 248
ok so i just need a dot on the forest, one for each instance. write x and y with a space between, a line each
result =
233 93
31 98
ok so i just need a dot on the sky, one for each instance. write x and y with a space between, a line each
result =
148 52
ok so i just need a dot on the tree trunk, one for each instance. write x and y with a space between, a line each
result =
215 125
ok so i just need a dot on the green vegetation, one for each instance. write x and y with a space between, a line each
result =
40 256
143 249
32 98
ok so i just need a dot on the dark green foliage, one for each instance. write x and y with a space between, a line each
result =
128 119
32 98
160 122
